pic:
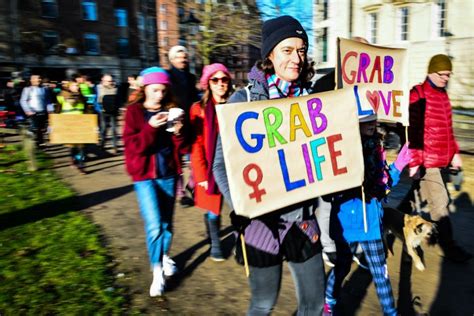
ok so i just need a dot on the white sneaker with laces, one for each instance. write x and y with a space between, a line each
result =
327 261
157 287
169 266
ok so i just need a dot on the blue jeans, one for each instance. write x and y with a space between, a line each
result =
78 155
156 201
212 216
105 121
308 277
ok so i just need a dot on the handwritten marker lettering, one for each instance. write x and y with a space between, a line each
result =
257 192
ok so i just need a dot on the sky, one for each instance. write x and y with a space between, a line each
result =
302 10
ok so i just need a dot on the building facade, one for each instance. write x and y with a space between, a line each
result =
168 28
424 27
59 37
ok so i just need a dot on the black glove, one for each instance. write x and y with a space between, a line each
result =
239 222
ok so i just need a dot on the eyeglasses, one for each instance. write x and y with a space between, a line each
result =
444 75
224 80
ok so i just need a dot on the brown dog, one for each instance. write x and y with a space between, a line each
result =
411 229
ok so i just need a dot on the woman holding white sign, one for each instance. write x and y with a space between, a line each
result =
71 101
150 158
215 81
289 234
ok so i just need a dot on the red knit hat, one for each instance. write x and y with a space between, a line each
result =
209 70
155 75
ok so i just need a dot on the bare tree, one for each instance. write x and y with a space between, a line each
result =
227 24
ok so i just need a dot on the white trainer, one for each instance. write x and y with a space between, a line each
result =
157 287
169 266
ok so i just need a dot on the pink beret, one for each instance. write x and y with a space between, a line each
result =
209 70
155 75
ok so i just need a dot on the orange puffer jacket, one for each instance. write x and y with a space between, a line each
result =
430 133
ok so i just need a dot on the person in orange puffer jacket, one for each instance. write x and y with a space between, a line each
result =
434 150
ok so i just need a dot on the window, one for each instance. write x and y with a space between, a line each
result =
121 17
122 47
89 10
50 41
49 9
140 21
322 7
325 10
163 25
152 53
165 42
151 25
372 27
323 41
181 13
163 8
91 44
402 20
441 6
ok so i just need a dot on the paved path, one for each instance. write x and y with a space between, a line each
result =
207 288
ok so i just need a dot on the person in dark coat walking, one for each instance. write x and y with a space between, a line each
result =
183 87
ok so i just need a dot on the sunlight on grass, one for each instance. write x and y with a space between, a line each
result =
56 265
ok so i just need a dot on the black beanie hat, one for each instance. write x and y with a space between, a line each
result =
276 30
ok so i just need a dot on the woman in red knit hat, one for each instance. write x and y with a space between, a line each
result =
216 83
150 158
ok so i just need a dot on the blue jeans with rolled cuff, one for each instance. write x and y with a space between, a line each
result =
156 199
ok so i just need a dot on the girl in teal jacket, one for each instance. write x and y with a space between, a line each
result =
356 219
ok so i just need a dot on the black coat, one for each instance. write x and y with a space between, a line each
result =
183 87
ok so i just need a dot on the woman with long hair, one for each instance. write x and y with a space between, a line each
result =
217 87
150 158
289 234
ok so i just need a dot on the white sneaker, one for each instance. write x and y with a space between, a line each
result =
330 262
157 287
169 266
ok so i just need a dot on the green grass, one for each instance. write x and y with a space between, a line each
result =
54 265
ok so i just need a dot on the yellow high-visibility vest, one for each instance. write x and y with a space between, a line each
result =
70 108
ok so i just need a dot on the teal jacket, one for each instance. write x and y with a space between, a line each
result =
347 215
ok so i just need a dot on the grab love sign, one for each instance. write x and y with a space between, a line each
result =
284 151
378 77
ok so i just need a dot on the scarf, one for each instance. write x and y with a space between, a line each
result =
102 90
279 88
212 127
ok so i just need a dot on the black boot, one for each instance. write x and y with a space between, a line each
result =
186 201
450 249
214 227
206 223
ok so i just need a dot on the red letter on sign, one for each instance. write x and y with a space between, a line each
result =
353 72
334 154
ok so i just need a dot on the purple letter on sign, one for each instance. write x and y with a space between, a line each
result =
364 62
314 109
387 69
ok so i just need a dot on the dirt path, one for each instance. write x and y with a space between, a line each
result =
207 288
